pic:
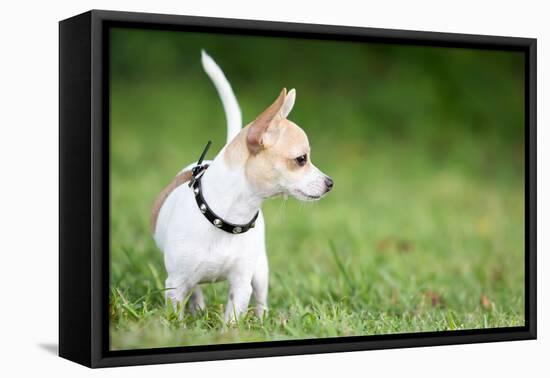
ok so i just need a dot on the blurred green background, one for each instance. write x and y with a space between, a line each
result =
423 231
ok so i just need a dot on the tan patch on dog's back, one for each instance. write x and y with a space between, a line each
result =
180 179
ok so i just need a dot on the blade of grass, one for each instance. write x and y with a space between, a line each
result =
341 267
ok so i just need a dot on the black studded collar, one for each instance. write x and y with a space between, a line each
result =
208 213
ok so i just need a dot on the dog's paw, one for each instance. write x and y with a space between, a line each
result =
261 313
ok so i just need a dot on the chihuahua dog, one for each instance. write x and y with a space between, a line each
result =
213 228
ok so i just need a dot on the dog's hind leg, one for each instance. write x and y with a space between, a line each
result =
260 283
177 293
196 302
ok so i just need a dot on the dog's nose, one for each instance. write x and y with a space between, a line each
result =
329 183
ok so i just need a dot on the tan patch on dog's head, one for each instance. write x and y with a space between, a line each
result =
257 135
275 167
275 153
261 132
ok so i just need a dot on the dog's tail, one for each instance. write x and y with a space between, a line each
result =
229 101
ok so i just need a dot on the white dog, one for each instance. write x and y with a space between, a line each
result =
213 229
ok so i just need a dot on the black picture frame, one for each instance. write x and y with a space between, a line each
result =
84 189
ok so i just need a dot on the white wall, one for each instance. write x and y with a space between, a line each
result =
28 184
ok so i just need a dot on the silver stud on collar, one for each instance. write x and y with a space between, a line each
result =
217 222
196 191
253 225
203 208
237 230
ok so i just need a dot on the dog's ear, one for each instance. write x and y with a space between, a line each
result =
289 103
260 134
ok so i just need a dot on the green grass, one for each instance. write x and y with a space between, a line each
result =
404 243
422 232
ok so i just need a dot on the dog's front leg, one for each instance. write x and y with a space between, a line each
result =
260 285
239 295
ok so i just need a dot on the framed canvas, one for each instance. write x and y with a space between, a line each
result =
235 188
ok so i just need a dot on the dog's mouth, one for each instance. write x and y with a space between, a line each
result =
307 197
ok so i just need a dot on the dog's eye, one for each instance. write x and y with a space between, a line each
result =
301 160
